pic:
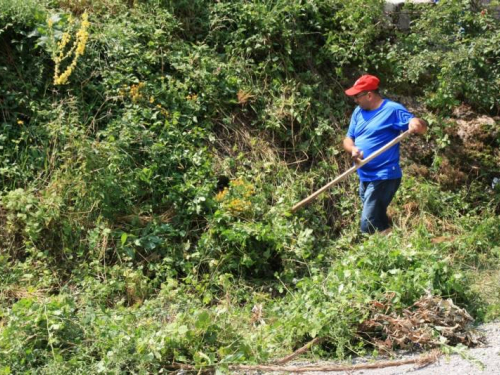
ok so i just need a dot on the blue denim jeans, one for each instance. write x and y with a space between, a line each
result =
376 196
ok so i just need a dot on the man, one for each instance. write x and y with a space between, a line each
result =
375 122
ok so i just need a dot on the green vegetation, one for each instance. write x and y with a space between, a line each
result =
150 156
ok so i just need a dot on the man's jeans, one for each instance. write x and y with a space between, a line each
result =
376 196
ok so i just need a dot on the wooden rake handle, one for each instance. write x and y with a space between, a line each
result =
350 170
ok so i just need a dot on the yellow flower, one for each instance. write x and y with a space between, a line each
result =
237 205
85 20
237 182
135 93
77 50
250 190
20 122
220 195
66 37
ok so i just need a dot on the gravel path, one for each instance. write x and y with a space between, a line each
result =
482 360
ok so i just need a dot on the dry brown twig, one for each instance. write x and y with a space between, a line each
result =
299 351
430 322
421 361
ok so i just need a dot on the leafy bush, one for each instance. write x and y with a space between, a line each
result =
450 54
38 331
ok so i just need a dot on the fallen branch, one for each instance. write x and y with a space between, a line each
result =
298 352
423 360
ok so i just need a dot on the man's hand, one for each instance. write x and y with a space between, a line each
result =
417 126
357 154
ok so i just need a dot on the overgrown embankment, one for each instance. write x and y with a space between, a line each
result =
151 151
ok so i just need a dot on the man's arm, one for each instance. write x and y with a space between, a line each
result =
417 126
350 148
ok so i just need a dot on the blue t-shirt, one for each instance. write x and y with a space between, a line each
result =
371 130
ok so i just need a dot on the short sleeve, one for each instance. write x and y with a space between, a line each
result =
351 132
402 118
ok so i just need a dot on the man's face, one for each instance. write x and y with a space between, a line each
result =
363 99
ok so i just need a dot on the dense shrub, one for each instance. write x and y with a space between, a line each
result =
450 55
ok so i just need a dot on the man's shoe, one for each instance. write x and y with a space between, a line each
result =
386 232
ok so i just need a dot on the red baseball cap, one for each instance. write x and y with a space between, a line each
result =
366 82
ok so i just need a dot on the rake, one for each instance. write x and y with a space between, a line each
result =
350 170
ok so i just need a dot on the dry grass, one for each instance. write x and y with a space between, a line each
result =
429 323
16 292
486 285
